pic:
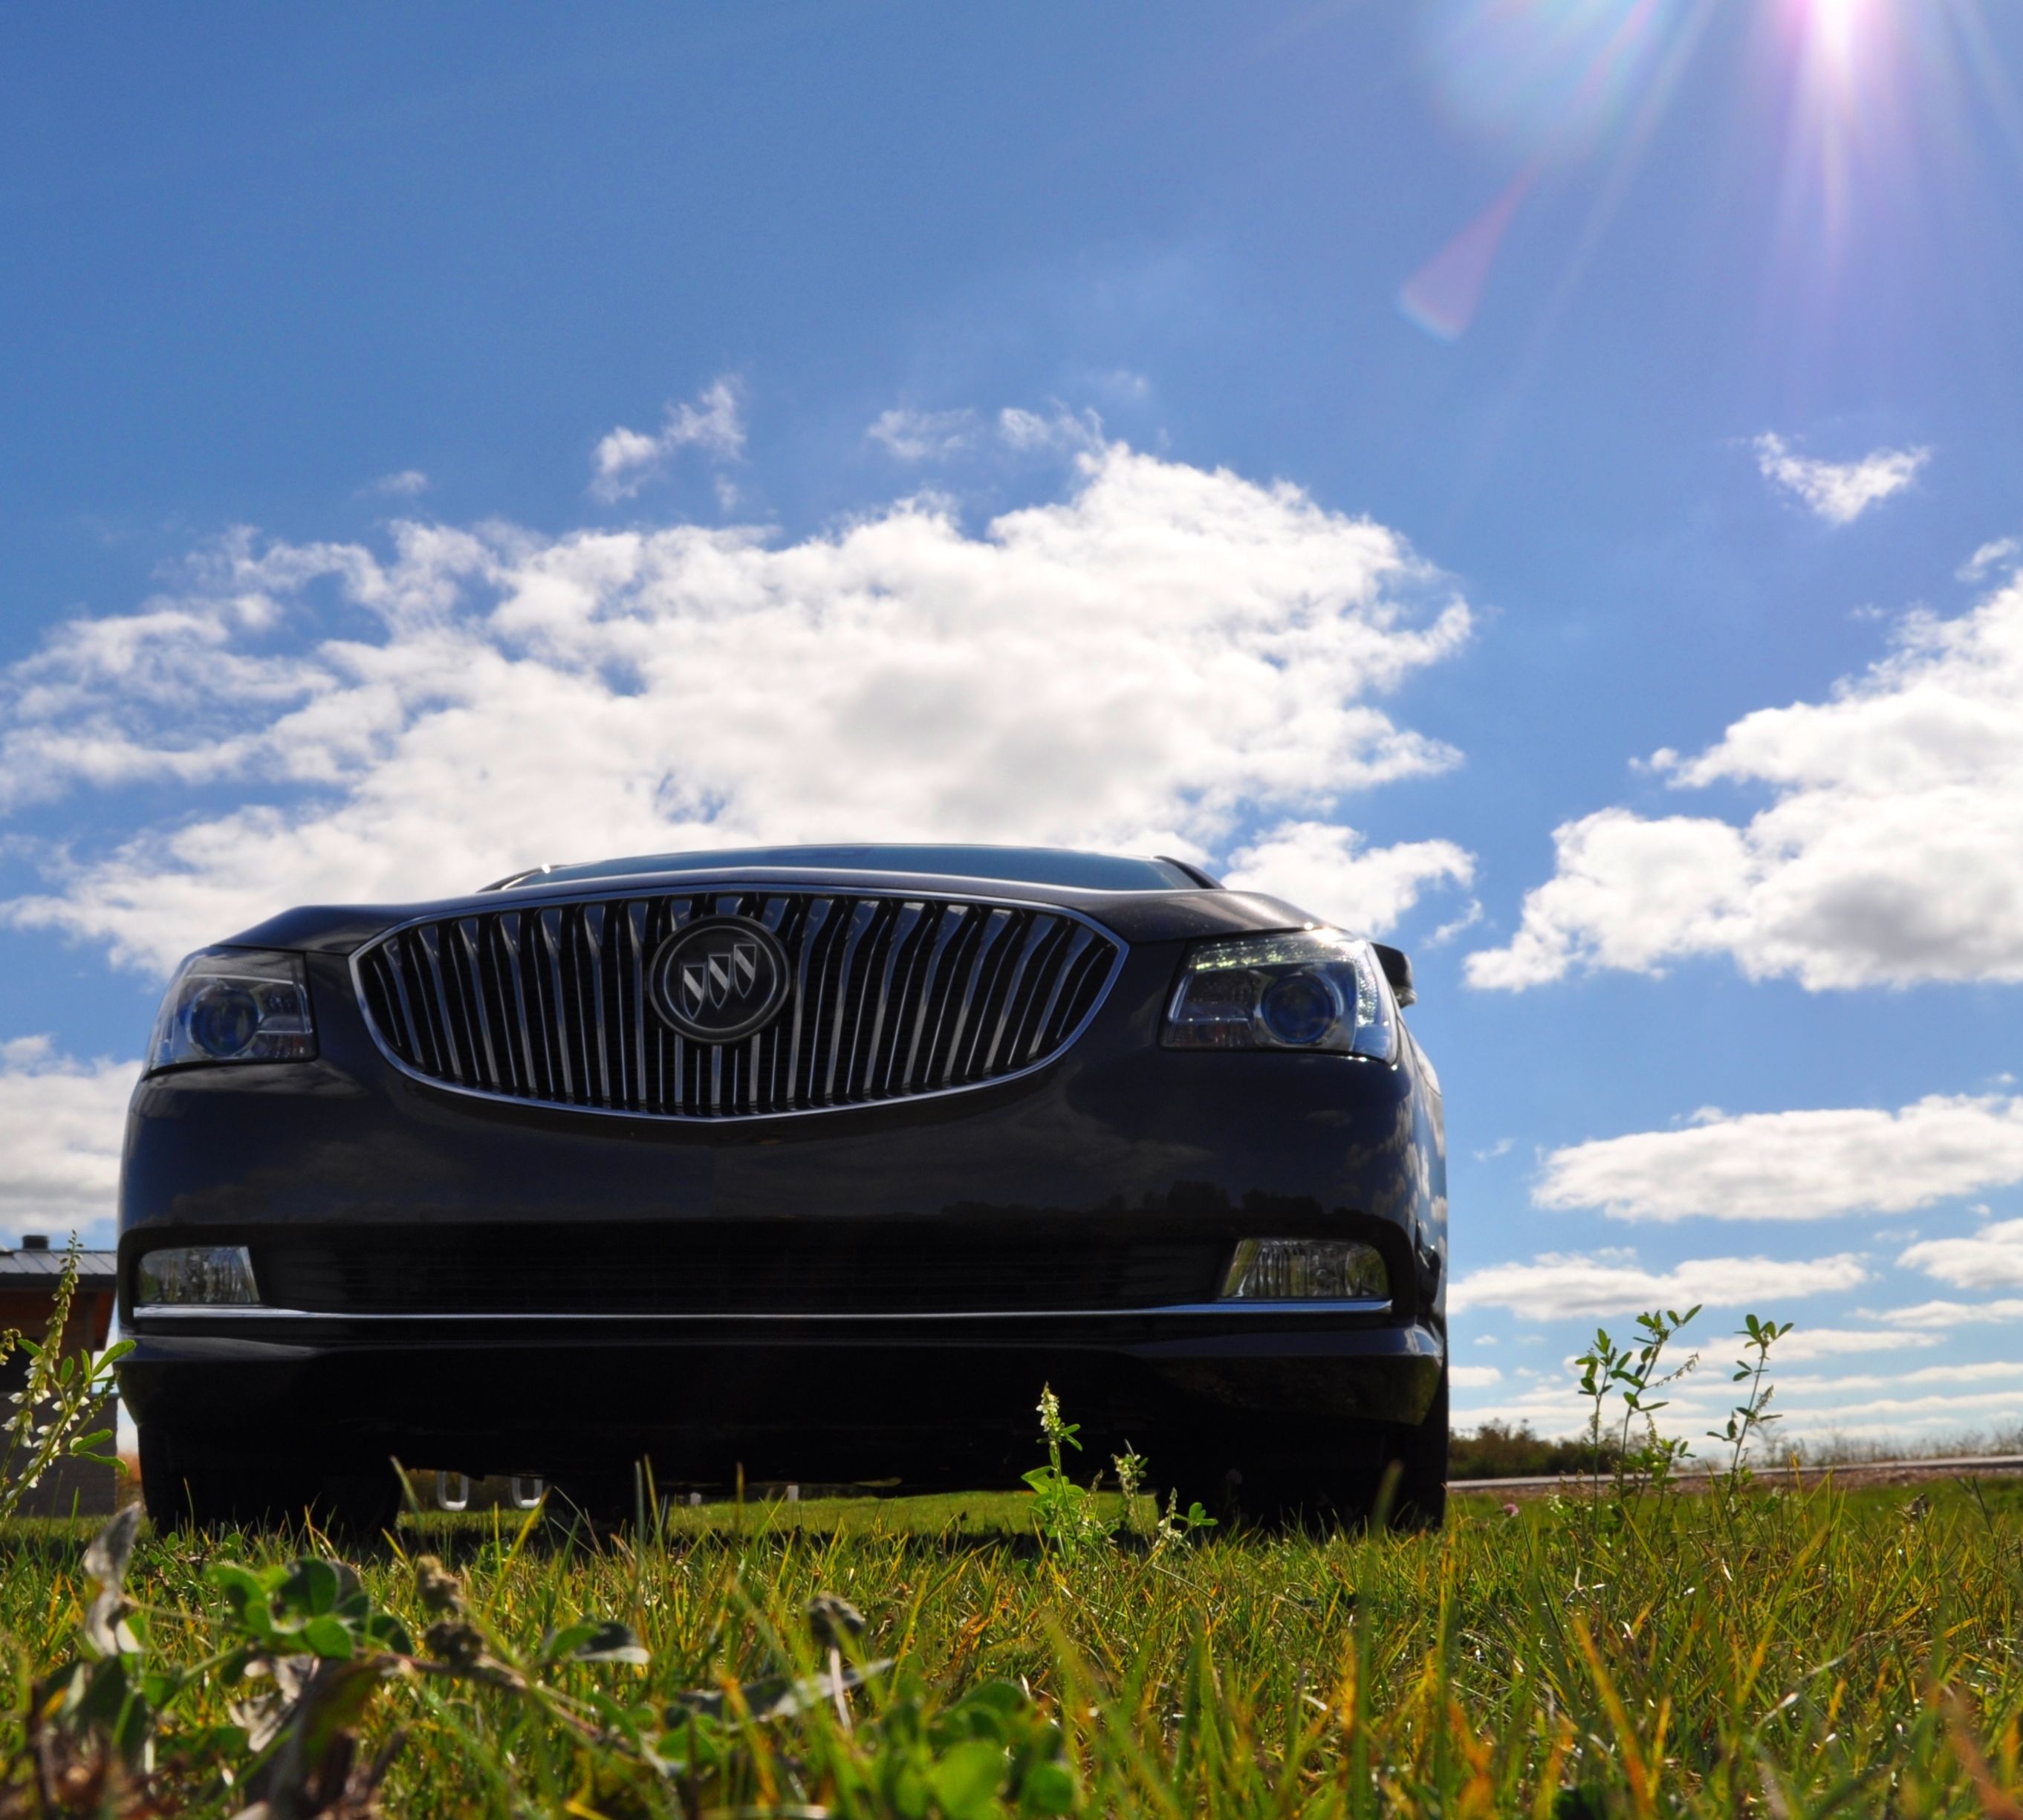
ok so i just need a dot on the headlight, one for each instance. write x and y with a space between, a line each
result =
195 1277
1313 988
235 1004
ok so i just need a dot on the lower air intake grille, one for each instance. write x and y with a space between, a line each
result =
762 1268
890 997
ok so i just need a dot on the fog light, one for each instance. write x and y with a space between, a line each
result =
1306 1270
195 1277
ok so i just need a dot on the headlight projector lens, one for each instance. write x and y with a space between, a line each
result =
223 1018
1300 1008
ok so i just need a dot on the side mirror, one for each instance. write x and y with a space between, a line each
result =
1397 967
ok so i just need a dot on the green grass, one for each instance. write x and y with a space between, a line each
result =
1782 1653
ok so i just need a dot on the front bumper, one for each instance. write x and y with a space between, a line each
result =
926 1401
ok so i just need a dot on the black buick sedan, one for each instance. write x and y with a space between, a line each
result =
798 1164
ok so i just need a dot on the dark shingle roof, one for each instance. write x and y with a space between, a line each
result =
97 1271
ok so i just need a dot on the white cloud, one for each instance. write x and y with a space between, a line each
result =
920 436
626 459
1071 432
1843 1383
1987 556
1992 1259
1324 868
1893 852
1795 1165
1164 655
1945 1316
1895 1401
61 1124
1613 1282
405 485
1122 383
1828 1407
1804 1344
1473 1377
1838 491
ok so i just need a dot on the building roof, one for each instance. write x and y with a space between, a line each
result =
96 1271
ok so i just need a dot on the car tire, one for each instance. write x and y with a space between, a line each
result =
606 1497
1419 1499
186 1489
1320 1494
1279 1493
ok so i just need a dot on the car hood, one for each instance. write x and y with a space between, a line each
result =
1133 916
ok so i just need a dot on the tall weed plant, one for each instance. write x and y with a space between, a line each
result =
61 1394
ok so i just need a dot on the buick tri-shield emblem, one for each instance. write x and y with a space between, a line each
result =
719 980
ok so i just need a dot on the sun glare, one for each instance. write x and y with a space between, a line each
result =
1843 107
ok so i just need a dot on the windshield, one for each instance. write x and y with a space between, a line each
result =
1024 866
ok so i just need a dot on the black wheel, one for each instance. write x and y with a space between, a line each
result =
1280 1482
360 1501
1317 1493
606 1497
1420 1499
1208 1478
186 1487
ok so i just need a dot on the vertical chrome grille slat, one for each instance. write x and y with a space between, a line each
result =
548 933
391 959
509 942
591 922
1076 943
892 997
635 934
860 920
904 923
464 929
428 939
1035 935
995 923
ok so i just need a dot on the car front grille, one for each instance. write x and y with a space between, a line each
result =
891 996
752 1268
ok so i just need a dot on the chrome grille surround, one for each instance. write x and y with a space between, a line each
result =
896 996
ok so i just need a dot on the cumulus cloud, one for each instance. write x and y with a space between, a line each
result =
1328 870
61 1122
624 460
1992 1259
1473 1377
1162 656
920 436
1893 852
406 485
1838 491
1612 1281
1795 1165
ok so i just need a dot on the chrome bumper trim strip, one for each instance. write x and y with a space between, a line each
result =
1183 1311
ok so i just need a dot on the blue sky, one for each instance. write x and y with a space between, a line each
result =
1570 443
